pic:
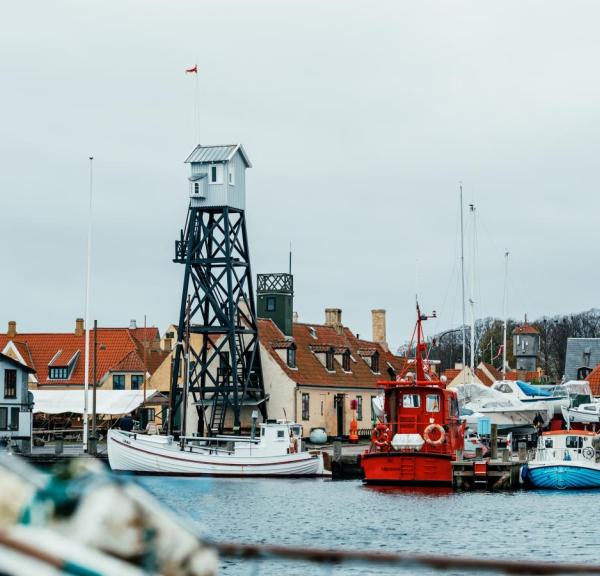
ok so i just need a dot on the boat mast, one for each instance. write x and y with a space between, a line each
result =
504 313
186 365
462 274
472 297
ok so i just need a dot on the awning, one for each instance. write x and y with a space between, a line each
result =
114 402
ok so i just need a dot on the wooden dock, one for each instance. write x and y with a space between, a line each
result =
51 454
486 474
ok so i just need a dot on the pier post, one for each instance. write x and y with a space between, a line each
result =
478 453
494 442
522 451
58 447
459 455
505 455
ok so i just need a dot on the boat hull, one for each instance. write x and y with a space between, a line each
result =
571 415
153 456
416 468
563 476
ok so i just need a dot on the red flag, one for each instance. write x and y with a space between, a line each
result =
193 70
500 350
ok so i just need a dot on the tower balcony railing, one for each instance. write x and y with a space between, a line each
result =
277 282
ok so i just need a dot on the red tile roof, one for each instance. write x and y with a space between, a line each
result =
523 375
114 344
130 363
483 377
525 329
451 373
594 379
310 370
493 371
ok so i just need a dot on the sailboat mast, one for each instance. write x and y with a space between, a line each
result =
472 298
505 304
462 274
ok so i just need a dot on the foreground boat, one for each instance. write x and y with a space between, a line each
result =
417 437
565 459
277 451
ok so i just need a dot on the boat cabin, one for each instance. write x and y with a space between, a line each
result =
417 414
568 445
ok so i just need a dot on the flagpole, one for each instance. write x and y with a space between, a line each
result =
504 312
86 386
197 103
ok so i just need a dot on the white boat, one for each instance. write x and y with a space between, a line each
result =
581 407
565 459
504 410
277 451
555 397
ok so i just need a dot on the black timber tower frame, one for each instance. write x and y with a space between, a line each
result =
225 370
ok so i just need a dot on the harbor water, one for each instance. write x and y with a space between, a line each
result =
543 525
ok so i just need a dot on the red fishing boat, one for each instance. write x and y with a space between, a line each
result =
416 439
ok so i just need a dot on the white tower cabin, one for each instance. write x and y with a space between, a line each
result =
218 176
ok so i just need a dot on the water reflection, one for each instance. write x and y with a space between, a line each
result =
419 491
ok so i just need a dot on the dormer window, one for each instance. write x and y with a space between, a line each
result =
375 362
291 357
58 373
216 174
346 361
329 360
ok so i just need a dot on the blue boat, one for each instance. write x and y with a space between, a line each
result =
565 459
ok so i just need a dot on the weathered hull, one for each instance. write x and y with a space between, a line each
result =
135 454
563 476
417 468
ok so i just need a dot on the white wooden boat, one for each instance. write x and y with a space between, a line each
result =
277 451
584 414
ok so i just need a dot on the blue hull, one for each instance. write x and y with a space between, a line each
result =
563 477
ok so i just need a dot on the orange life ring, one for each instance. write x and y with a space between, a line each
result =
380 435
429 430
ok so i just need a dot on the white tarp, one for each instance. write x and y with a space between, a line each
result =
113 402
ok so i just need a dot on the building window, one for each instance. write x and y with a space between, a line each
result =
14 418
359 406
3 418
271 304
410 401
149 414
137 381
329 360
375 362
291 357
216 174
305 407
61 373
346 361
322 407
196 188
231 172
10 383
118 381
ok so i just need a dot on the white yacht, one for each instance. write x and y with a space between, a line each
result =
556 397
581 407
277 451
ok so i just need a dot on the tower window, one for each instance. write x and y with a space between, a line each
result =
271 304
216 174
231 172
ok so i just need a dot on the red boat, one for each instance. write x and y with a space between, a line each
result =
416 440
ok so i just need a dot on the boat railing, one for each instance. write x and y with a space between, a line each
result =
564 454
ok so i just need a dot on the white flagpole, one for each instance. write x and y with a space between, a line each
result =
197 104
505 304
87 315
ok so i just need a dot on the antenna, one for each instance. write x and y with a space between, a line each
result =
462 275
290 258
505 306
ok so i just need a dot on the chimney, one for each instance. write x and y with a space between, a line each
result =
79 328
333 319
12 329
378 320
132 324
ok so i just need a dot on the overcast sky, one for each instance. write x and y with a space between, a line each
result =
360 119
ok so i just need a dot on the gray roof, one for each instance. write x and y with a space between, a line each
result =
581 352
210 154
195 177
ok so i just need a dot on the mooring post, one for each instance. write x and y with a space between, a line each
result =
337 450
58 447
522 451
505 455
494 441
478 453
459 455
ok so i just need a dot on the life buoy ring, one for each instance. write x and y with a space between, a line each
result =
380 435
588 452
429 430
